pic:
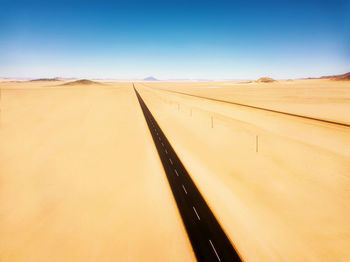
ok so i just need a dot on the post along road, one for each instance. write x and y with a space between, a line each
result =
209 241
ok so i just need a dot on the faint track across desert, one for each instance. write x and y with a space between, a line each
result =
254 107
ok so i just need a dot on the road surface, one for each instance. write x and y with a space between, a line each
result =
208 240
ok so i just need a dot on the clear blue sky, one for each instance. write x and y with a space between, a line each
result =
174 39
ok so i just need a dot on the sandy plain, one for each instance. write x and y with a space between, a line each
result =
289 200
318 98
81 179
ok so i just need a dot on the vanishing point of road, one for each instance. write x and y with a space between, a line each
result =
209 241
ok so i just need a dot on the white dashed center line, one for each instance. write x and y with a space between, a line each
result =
216 253
166 151
184 189
194 209
176 172
171 161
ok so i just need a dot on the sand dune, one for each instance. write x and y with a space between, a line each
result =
82 82
265 80
338 77
342 77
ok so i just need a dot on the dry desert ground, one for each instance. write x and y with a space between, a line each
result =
81 179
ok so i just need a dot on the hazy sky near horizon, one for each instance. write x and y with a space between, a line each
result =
182 39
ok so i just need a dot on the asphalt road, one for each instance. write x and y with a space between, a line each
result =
209 242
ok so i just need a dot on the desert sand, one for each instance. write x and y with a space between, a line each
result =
81 179
289 200
319 98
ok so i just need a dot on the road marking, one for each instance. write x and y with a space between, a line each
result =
188 221
216 253
166 152
196 213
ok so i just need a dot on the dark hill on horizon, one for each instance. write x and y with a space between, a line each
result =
81 82
150 78
265 80
46 79
345 76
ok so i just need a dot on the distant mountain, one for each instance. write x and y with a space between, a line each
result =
338 77
81 82
265 80
150 78
46 79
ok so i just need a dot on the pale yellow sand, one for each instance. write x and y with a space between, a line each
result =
80 179
289 201
320 98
